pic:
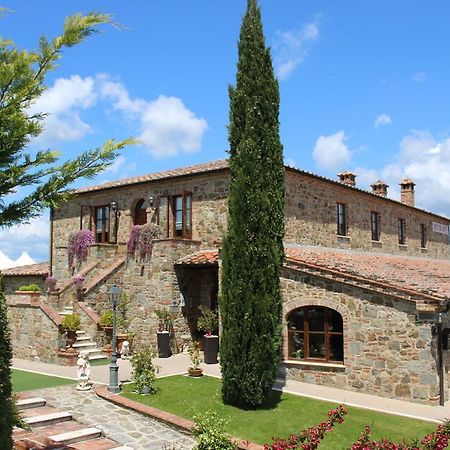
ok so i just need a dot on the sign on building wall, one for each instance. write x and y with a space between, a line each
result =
439 228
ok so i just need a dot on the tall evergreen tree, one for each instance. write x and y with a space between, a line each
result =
253 248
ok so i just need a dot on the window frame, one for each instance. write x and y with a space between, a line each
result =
104 240
169 210
306 335
375 219
341 219
401 231
423 236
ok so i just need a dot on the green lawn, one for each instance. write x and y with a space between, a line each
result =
283 414
27 381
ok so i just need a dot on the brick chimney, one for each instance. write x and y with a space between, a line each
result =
347 178
407 191
379 188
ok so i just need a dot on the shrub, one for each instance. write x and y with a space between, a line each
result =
164 319
71 322
310 438
208 322
210 432
7 411
78 246
30 288
106 319
194 353
144 371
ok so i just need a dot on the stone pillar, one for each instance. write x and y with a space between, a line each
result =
407 191
379 188
348 178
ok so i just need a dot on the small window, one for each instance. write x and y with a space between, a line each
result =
401 231
375 225
102 224
341 220
316 333
423 235
182 215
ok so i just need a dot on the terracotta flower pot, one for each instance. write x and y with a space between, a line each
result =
195 372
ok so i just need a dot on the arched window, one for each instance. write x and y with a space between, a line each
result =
316 333
140 213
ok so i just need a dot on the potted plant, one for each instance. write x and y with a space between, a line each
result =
208 322
144 371
50 284
194 370
163 334
71 324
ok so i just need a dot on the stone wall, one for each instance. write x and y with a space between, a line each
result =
12 283
34 335
311 219
388 346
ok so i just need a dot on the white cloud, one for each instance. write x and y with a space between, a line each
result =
331 152
419 76
32 237
381 120
62 103
167 127
291 48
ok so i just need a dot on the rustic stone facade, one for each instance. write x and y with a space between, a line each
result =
388 346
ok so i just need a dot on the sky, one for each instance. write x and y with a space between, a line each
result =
364 86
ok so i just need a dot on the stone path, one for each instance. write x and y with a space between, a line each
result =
124 426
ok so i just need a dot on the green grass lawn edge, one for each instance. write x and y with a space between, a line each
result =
280 416
23 380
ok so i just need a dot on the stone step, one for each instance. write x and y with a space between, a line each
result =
65 313
83 345
97 357
39 411
71 437
33 402
81 337
92 351
80 332
48 419
99 444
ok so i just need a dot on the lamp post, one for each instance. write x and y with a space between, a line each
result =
114 294
440 355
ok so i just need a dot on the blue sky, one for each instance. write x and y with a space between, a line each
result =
364 86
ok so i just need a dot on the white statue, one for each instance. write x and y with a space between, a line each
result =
125 350
83 372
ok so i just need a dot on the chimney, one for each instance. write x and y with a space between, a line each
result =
407 191
347 178
379 188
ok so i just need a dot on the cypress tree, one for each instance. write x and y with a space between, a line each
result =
253 247
7 410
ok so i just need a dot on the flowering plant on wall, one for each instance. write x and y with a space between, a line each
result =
78 282
50 283
78 246
140 243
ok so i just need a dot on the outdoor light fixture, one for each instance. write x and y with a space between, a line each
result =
114 206
174 306
151 201
440 317
114 295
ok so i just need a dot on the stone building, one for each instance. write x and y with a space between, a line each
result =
363 279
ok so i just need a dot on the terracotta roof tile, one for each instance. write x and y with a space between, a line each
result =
184 171
422 275
410 274
32 269
204 257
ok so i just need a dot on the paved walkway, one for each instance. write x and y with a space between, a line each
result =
178 364
122 425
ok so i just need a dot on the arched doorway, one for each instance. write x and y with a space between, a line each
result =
140 213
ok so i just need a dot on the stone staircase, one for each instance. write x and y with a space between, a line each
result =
84 343
54 429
